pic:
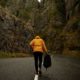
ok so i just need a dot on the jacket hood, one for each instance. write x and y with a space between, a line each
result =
37 37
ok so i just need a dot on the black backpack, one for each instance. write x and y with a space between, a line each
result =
47 61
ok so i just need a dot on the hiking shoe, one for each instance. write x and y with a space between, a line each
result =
40 72
36 73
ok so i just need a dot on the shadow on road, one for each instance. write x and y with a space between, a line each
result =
44 77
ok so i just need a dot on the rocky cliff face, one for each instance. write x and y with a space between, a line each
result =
71 36
72 8
72 29
14 33
20 8
56 21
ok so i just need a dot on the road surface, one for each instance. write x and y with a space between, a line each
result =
63 68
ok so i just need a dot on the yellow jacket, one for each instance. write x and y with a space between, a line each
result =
38 44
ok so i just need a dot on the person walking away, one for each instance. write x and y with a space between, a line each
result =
39 47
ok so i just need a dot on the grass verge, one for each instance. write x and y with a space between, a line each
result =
13 55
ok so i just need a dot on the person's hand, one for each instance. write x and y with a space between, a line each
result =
48 52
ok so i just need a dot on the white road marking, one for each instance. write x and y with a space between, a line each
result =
36 77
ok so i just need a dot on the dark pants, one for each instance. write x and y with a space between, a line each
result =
38 60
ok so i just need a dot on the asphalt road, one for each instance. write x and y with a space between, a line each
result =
63 68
